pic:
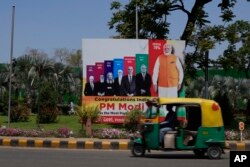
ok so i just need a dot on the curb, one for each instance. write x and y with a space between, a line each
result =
93 144
238 146
70 143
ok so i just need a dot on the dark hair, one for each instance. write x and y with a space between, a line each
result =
170 107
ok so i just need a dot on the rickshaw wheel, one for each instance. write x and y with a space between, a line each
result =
214 152
138 150
199 152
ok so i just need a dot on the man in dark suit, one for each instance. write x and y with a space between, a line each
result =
90 88
101 86
118 84
128 83
143 82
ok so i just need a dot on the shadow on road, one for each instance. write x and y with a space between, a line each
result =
174 156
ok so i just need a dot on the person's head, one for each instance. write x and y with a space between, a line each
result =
91 79
170 108
109 76
143 68
130 70
120 73
168 49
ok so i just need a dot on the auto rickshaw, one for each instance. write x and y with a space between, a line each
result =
199 127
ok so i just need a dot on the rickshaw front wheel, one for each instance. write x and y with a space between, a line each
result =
214 152
138 150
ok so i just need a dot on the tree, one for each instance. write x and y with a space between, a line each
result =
133 119
196 88
34 74
63 79
87 114
4 77
153 24
202 40
75 62
235 57
217 90
75 59
24 64
62 54
153 17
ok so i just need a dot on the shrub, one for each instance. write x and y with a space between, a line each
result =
61 132
111 133
235 135
19 113
10 132
64 109
64 133
47 115
132 120
46 103
19 132
86 112
3 107
48 95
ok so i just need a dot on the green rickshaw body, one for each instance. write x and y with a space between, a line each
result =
151 135
202 132
205 138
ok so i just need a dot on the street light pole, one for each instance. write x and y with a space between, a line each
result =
206 74
136 21
11 57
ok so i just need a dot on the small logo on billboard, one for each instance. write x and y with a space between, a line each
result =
157 46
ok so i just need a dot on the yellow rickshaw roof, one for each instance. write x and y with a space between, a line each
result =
211 112
163 100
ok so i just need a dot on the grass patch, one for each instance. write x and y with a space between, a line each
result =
64 121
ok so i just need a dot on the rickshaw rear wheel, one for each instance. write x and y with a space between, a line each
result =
138 150
199 152
214 152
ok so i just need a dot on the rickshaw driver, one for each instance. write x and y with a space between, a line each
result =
168 124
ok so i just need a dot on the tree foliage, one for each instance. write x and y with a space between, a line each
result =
68 57
237 54
199 34
152 16
86 112
41 84
232 94
133 119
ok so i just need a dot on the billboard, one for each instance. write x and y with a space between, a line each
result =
119 75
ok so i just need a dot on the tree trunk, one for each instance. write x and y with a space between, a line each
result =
89 128
192 17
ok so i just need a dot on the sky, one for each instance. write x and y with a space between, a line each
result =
51 24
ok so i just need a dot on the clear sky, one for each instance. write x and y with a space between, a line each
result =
50 24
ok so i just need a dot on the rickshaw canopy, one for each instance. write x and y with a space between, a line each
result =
211 115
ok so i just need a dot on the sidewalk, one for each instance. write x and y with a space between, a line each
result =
92 143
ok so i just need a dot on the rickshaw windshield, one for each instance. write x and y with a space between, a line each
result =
151 112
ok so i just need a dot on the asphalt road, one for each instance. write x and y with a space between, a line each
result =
34 157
